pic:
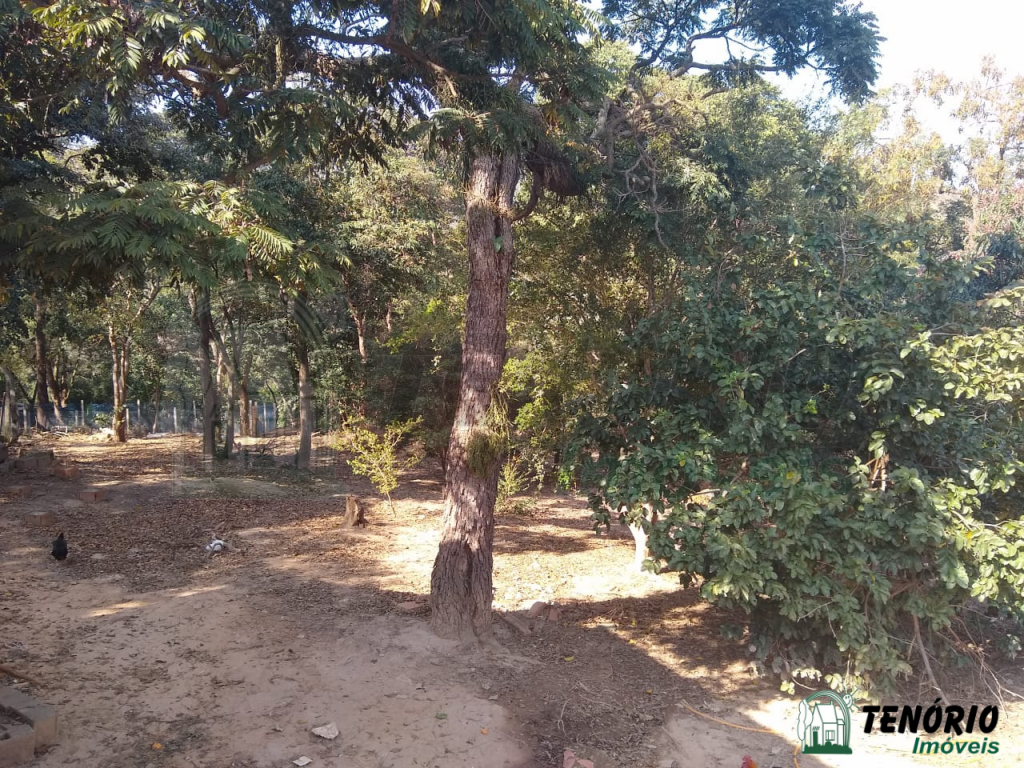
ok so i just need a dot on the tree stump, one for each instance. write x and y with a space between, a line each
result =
353 513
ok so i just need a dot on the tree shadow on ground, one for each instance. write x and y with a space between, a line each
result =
597 682
603 680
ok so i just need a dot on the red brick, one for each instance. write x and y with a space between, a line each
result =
19 747
92 494
42 718
66 472
45 519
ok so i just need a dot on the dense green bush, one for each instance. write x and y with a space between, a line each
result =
858 433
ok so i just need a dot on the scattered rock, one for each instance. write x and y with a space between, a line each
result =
555 613
98 556
410 606
329 731
302 761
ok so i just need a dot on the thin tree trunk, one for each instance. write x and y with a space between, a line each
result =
211 396
245 405
460 585
156 409
62 378
57 398
360 320
226 364
120 324
303 329
42 366
119 376
229 427
8 428
306 415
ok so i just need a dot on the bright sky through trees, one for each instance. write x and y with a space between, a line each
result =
935 35
947 36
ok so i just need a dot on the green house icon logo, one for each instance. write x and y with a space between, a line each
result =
823 724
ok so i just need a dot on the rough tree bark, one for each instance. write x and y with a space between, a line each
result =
119 357
359 318
121 323
231 363
42 366
229 415
306 416
203 319
460 585
246 413
8 425
55 378
303 329
156 409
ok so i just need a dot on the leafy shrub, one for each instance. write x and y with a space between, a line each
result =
512 481
856 449
375 454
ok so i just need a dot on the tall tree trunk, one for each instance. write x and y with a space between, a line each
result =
121 321
303 330
229 374
231 362
460 585
211 396
8 425
42 367
360 320
58 397
245 412
306 415
62 377
229 426
119 376
156 409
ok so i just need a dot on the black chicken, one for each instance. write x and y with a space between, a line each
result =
60 547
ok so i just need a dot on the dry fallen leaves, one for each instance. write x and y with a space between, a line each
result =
569 760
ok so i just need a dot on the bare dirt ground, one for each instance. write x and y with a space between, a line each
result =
158 655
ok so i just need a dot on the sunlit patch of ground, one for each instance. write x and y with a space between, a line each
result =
143 638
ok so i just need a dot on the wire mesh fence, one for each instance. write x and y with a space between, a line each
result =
176 418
